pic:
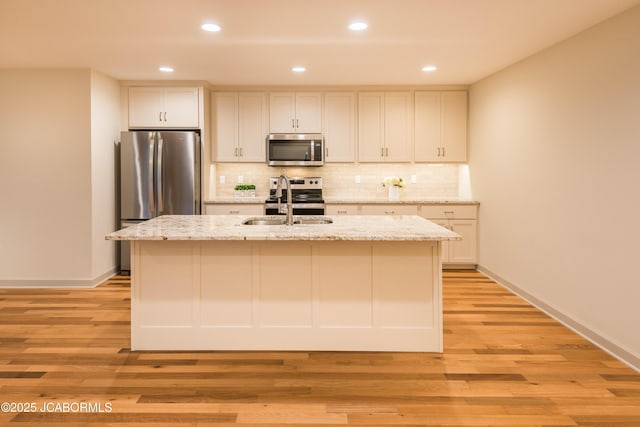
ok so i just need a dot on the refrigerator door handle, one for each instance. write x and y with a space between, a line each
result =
159 175
151 179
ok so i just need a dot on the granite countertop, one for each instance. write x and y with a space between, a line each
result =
236 200
402 201
230 227
344 201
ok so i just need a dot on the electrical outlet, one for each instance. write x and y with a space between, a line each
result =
223 179
240 179
358 179
414 179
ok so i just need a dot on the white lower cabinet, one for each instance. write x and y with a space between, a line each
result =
461 219
234 209
341 209
389 209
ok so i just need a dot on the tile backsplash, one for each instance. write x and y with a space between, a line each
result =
433 181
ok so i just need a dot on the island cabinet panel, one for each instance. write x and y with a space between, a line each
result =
345 294
284 298
286 295
162 272
227 285
410 302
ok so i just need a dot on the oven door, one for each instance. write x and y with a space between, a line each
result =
298 209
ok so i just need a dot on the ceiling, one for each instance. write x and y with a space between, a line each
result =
262 39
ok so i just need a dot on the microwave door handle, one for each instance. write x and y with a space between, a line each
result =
313 150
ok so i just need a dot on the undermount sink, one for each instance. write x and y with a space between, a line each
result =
264 221
310 220
318 220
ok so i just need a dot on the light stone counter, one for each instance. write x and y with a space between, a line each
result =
236 200
402 201
230 227
355 200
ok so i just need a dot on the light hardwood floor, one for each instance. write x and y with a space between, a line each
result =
505 364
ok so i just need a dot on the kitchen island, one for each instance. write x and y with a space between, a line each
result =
360 283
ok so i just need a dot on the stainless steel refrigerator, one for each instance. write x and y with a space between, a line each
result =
159 175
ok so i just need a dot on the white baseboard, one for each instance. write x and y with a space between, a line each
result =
614 350
73 283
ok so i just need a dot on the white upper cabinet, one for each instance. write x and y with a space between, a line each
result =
239 126
295 112
441 126
163 107
385 121
339 126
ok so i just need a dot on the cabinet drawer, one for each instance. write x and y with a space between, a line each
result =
234 209
389 209
341 209
449 211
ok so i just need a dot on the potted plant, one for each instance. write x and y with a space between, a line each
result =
245 190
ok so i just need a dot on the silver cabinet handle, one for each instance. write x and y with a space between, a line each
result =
438 151
293 123
386 152
342 212
241 153
381 151
297 124
234 212
444 154
160 116
389 212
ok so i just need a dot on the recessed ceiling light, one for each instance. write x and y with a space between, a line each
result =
429 68
298 69
212 28
166 69
358 26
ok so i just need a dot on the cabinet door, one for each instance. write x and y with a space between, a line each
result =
282 112
463 251
454 126
145 107
180 107
339 126
389 209
370 126
427 139
398 123
445 243
234 209
341 209
252 126
308 112
225 126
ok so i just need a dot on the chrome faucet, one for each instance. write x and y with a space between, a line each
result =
288 209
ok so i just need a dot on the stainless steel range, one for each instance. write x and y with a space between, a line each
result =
306 196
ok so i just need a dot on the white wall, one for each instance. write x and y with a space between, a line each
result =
105 133
47 179
555 163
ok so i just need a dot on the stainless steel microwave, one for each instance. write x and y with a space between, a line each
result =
295 149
